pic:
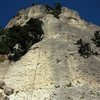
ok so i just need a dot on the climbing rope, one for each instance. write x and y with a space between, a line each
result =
34 78
36 69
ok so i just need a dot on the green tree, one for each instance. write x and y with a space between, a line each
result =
16 40
96 38
57 10
84 48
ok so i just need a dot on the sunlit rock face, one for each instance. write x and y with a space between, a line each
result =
24 15
53 69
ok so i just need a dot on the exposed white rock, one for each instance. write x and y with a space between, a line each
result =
1 94
24 15
47 69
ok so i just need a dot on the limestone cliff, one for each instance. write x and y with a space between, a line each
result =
53 69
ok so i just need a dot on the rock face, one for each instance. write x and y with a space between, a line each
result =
53 69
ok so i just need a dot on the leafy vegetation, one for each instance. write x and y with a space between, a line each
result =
16 40
55 11
96 38
33 4
84 48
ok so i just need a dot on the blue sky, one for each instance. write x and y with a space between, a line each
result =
88 9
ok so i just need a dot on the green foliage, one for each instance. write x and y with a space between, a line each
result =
79 42
48 8
3 46
33 4
55 11
96 38
84 48
16 40
58 6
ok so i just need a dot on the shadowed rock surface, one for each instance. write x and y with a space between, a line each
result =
53 69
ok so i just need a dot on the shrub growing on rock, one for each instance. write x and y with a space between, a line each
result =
84 48
16 40
48 8
3 46
96 38
55 11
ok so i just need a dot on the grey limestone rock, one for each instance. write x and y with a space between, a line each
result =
55 60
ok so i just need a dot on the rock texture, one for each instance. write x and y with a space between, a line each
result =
52 69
